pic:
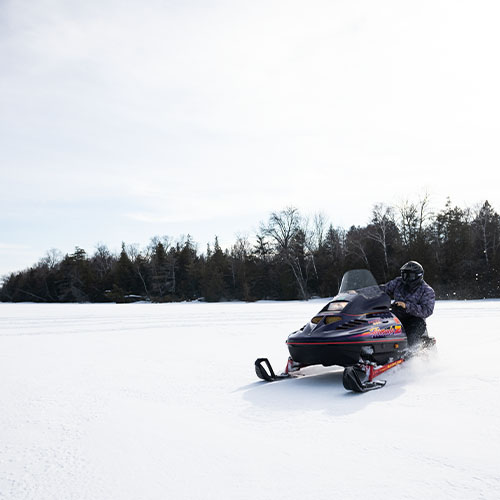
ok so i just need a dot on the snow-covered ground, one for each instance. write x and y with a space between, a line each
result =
146 401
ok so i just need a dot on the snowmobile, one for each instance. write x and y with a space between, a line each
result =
356 330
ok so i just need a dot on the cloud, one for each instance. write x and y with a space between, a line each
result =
12 247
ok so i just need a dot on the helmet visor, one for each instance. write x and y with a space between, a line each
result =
409 276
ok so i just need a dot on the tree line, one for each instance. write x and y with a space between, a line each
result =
291 257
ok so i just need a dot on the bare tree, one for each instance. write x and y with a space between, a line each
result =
424 212
314 234
102 260
285 230
413 219
356 244
382 221
320 222
488 223
139 261
240 252
52 259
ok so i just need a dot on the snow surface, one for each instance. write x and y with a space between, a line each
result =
150 401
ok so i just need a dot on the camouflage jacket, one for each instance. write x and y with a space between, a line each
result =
419 299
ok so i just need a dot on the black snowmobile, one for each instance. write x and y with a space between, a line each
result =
356 330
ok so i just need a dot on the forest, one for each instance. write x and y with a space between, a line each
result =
291 257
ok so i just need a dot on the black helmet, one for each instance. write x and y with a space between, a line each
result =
412 271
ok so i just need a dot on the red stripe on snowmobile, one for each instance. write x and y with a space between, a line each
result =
392 339
375 372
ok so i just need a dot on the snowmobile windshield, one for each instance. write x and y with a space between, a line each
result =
360 289
360 282
356 280
358 293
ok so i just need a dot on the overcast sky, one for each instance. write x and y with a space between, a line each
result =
121 120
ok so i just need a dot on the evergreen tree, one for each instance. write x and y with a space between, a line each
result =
214 286
187 274
74 277
486 226
124 278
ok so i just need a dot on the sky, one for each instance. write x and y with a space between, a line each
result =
123 120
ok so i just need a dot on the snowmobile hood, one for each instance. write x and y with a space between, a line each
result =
349 314
362 301
360 311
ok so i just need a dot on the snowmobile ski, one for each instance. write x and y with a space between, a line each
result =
355 379
359 378
265 371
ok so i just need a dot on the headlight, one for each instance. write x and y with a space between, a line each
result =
337 306
332 319
328 319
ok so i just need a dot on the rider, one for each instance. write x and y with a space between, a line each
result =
413 300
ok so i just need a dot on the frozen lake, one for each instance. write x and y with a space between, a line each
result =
160 401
